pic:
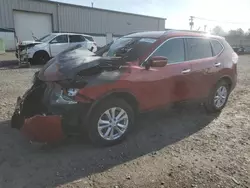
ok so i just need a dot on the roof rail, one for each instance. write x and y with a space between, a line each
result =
180 30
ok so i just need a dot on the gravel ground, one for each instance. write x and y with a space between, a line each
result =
181 147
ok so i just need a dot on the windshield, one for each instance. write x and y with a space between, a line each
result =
46 38
128 48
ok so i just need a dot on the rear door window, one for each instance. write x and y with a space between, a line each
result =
173 50
198 48
217 47
76 38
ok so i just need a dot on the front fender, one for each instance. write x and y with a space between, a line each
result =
40 47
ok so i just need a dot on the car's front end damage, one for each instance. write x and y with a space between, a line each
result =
53 107
24 52
46 114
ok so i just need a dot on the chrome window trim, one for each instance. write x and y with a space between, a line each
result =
183 37
220 44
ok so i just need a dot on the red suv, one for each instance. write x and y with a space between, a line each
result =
100 93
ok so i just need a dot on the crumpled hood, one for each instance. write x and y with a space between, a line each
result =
67 64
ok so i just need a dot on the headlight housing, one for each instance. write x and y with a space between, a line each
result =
66 96
71 92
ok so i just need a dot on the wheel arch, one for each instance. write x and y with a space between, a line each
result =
40 52
227 79
125 95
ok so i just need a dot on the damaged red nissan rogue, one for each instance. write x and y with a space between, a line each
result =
100 93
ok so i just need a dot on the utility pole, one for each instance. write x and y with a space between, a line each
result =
191 22
205 28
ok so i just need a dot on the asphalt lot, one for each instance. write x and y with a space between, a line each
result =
181 147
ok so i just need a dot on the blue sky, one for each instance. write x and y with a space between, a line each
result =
177 12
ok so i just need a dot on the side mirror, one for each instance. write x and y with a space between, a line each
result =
156 61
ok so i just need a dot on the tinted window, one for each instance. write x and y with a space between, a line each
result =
60 39
89 38
172 49
217 47
198 48
76 38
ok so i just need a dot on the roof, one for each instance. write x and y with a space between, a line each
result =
172 33
72 34
60 3
190 33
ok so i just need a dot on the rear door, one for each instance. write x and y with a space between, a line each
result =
77 39
58 44
204 66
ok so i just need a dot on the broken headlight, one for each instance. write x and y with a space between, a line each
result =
59 95
67 96
71 92
64 98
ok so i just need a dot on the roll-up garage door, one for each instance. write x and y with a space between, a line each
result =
29 23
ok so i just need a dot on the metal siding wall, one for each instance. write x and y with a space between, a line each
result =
80 19
7 6
161 25
6 20
84 20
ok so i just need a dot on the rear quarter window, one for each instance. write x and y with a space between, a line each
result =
217 47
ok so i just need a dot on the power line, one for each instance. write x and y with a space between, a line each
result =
242 23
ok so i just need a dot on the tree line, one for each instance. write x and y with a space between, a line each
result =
218 30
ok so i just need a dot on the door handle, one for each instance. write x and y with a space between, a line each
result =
217 64
186 71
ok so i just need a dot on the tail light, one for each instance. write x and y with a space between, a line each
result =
235 58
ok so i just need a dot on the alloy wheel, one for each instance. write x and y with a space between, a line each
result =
113 123
220 96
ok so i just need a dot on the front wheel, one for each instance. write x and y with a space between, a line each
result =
110 122
41 58
218 97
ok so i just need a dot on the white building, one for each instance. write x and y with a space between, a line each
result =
41 17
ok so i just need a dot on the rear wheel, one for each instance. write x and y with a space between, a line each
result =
40 58
218 97
110 122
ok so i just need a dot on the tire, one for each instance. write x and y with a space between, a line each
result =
210 105
40 58
95 129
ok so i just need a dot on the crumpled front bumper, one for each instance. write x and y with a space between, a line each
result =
43 115
38 128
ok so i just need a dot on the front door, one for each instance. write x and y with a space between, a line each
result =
170 83
59 44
